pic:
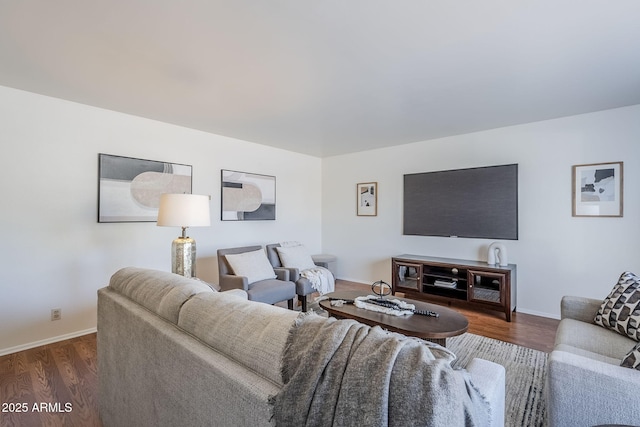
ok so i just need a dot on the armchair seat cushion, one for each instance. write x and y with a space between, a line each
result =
304 287
591 355
271 291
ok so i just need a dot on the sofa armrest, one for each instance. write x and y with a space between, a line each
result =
230 281
579 308
238 293
580 388
489 378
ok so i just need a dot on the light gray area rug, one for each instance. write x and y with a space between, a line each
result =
525 375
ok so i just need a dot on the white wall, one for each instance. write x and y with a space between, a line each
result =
556 254
54 254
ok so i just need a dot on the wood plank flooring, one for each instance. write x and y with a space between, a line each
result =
56 384
53 385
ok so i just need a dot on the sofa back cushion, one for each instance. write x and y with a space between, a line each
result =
252 333
162 292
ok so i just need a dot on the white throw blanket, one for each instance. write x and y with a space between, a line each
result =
361 302
321 279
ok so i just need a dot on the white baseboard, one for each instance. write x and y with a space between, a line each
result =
5 351
537 313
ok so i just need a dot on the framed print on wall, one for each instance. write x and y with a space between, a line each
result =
597 189
129 189
367 198
247 196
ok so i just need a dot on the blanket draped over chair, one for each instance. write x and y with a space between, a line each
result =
321 279
344 373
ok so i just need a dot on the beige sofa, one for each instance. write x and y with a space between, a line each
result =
173 352
585 383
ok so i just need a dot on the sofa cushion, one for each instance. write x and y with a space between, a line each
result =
159 291
588 354
295 257
592 338
632 359
233 327
253 265
620 311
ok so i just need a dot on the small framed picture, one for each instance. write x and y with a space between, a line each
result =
597 189
367 198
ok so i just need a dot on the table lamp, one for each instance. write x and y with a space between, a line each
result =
184 210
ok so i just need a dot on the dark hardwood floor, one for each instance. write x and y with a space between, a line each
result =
56 384
52 385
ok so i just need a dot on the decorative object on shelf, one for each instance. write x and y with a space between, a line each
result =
247 196
367 199
129 189
450 284
597 189
184 210
497 254
381 288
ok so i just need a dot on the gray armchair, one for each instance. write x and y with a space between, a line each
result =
303 285
269 291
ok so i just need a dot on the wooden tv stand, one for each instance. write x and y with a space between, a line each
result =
473 283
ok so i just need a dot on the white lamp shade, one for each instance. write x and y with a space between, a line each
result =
184 210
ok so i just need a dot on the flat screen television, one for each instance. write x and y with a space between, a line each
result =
475 203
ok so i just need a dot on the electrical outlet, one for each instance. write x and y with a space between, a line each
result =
56 313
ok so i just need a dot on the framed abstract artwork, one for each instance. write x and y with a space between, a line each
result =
367 199
597 189
247 196
129 189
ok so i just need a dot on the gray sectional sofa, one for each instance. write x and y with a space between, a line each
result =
173 352
585 383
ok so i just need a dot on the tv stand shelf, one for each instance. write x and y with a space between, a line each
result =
472 283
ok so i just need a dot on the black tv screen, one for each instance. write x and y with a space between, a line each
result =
475 203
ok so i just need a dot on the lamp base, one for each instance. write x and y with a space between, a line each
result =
183 256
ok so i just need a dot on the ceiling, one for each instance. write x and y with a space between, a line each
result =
328 77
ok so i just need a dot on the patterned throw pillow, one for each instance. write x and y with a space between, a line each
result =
620 311
632 359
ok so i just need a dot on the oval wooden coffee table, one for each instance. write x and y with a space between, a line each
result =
437 329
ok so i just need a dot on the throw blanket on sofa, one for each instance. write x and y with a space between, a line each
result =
344 373
321 279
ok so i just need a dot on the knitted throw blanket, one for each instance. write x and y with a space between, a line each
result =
321 279
344 373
